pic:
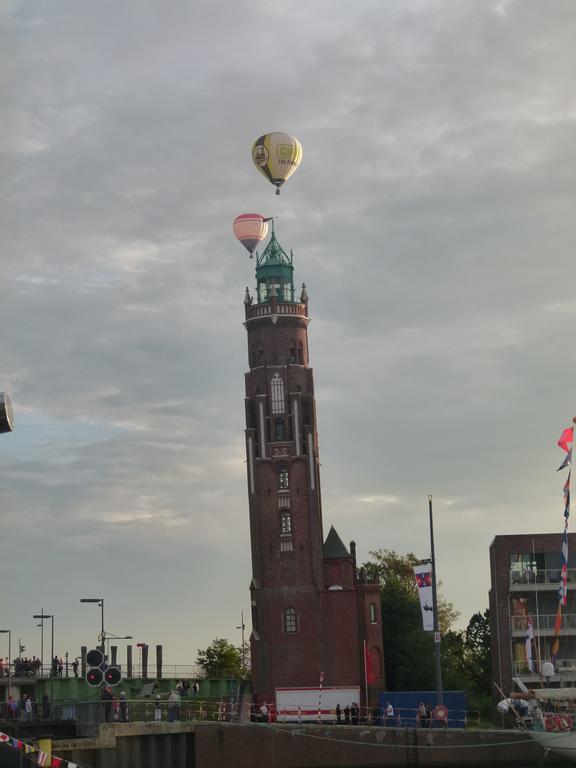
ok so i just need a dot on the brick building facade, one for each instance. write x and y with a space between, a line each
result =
311 612
525 578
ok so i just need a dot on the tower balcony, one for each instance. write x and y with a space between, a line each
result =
275 310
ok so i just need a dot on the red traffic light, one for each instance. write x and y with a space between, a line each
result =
94 676
113 676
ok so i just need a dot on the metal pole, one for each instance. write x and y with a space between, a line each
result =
42 644
437 638
52 617
9 662
103 633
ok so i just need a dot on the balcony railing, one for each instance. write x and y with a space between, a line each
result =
562 667
543 623
543 576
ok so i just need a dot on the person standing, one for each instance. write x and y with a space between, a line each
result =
173 701
123 708
389 714
158 709
75 665
107 701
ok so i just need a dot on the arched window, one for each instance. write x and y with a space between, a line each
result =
260 356
292 353
279 433
277 388
290 623
283 483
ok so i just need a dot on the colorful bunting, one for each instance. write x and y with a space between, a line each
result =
565 442
37 755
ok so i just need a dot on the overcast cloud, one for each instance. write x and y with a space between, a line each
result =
432 220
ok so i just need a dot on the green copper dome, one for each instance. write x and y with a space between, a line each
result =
274 273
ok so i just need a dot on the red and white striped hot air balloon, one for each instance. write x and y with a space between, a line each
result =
250 229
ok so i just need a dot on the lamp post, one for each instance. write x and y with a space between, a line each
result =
9 633
437 650
43 616
99 601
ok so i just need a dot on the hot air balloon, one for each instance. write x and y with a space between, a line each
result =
277 155
250 229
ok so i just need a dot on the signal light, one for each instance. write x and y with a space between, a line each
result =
113 676
94 676
94 658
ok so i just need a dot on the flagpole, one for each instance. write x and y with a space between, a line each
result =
438 658
366 677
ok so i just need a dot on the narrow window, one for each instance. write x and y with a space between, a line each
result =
261 356
373 613
300 353
285 523
279 429
283 484
292 353
290 621
277 388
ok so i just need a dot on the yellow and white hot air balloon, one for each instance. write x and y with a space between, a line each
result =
277 156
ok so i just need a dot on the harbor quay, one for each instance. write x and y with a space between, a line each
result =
248 745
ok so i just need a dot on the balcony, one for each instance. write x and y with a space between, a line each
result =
543 623
565 671
531 580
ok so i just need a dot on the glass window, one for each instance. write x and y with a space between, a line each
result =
277 388
292 353
373 613
283 483
285 523
300 353
279 429
290 620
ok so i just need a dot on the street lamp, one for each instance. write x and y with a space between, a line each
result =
43 616
9 633
99 601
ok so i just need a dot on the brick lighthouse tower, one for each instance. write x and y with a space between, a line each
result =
312 613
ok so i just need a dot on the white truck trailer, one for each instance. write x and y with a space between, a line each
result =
300 705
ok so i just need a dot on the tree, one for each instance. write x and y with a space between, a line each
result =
397 571
221 659
408 650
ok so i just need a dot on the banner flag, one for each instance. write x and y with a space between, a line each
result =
567 461
423 574
528 645
566 438
368 666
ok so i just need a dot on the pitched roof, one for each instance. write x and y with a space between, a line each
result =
333 546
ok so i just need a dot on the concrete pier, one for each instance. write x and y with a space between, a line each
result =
251 745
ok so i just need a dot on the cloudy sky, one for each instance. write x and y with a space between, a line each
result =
432 220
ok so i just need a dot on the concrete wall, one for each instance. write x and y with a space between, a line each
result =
227 745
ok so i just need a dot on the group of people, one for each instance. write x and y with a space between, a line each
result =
27 708
32 667
114 709
351 714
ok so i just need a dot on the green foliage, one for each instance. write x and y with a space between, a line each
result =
222 659
397 572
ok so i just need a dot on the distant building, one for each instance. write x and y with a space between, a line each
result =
525 578
311 610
